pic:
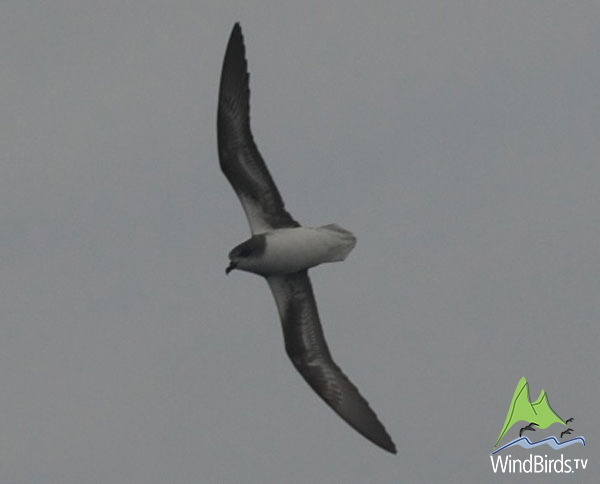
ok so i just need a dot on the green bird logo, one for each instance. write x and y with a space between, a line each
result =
539 413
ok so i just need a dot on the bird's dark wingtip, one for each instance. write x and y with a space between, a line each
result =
236 30
386 444
236 38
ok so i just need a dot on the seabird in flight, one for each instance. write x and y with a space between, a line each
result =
568 432
282 251
528 427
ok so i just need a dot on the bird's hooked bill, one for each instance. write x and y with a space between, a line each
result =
232 265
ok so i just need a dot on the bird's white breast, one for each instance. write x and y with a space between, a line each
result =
295 249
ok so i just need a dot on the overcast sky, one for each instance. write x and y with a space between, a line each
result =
459 141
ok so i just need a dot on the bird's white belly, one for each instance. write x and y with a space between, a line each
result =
295 249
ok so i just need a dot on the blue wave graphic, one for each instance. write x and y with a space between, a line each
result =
551 441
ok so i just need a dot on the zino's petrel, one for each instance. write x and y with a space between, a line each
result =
282 251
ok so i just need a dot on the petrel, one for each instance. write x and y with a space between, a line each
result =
282 251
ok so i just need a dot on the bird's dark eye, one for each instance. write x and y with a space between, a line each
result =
245 250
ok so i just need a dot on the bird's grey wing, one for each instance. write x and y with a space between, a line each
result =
239 158
306 347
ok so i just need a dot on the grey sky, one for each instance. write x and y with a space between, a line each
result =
457 140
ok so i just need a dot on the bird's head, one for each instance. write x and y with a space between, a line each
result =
245 255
